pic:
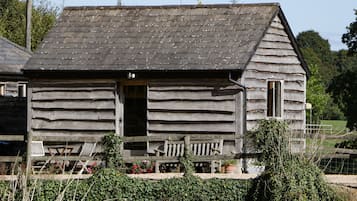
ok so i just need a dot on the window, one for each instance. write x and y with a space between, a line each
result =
274 99
2 89
21 90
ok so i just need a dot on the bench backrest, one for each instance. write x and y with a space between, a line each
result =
198 148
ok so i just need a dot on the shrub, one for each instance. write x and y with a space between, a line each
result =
286 177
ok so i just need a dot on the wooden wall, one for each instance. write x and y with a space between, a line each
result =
192 107
275 59
72 108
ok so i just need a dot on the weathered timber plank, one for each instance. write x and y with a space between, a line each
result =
53 95
223 127
189 105
256 105
276 59
194 95
276 38
294 96
72 83
294 85
188 88
10 159
256 115
275 52
280 32
289 105
294 115
275 45
65 136
256 95
12 137
251 74
196 137
70 115
277 24
73 125
182 116
276 68
75 104
65 89
189 83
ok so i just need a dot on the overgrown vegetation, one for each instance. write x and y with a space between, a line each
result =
110 184
286 177
112 153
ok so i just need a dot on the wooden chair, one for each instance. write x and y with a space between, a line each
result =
88 148
198 148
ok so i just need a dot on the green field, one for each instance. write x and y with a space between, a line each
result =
338 126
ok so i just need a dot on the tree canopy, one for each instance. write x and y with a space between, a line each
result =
13 21
350 38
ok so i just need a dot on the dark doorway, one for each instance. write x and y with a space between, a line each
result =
135 107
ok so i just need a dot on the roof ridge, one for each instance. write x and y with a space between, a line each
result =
191 6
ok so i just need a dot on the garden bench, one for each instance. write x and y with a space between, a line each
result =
198 148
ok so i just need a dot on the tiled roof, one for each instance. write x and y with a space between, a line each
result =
215 37
12 57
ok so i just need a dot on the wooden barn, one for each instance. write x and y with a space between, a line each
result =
152 74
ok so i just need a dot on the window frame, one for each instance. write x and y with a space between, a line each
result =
2 89
24 89
274 101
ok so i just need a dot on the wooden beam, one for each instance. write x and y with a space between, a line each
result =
10 159
12 137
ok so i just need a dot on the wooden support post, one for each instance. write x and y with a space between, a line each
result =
187 145
28 153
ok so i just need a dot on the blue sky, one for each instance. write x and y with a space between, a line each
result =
328 17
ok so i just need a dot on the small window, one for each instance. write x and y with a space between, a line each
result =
2 89
21 90
274 99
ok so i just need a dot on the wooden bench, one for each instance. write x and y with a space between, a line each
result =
198 148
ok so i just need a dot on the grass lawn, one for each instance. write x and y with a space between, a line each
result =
338 126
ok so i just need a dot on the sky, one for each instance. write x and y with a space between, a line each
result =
328 17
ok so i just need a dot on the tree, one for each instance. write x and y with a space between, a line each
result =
350 38
13 21
316 51
344 90
316 95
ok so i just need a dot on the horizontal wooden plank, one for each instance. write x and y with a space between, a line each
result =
276 31
64 89
275 45
67 136
212 127
256 115
72 125
274 52
276 38
256 94
189 83
294 96
97 95
256 105
275 59
257 74
161 138
182 116
68 83
294 85
70 115
189 105
289 105
294 115
10 159
12 137
74 104
276 68
277 24
193 95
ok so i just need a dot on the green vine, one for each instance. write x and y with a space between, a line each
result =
286 177
112 152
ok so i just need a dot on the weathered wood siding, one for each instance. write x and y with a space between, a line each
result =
72 108
275 59
197 107
13 115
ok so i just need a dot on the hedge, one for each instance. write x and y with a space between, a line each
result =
108 184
